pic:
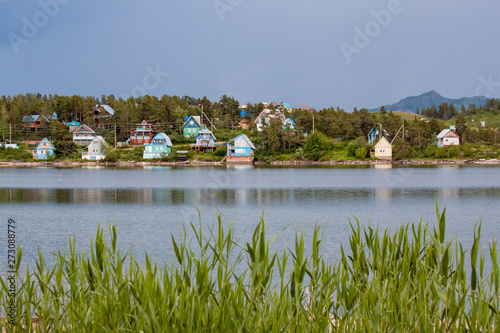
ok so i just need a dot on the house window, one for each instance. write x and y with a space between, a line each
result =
190 122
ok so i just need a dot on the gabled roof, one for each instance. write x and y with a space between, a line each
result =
163 136
99 140
245 138
83 129
384 132
31 119
197 119
107 108
383 143
45 140
445 132
206 131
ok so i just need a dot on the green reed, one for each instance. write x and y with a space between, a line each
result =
408 280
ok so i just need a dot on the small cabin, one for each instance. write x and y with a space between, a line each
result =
240 150
73 125
192 126
160 146
34 122
382 150
205 141
96 150
83 135
43 150
289 123
447 137
142 135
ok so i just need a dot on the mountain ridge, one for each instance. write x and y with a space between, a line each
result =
428 99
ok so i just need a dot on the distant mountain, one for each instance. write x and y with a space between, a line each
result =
410 104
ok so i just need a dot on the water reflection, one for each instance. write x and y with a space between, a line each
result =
229 196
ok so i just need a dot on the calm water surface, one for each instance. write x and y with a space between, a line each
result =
149 203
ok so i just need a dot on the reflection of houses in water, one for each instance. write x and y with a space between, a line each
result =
450 193
382 166
383 194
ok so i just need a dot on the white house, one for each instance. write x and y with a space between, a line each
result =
83 135
447 137
382 150
96 150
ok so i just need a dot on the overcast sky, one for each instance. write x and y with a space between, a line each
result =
362 53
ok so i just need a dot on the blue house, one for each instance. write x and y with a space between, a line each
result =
376 133
191 126
288 123
205 141
43 150
160 146
240 150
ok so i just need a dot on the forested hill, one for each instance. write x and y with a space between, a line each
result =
431 98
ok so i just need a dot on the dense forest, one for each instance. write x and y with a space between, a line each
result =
167 114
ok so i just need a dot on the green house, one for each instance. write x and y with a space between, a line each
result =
192 126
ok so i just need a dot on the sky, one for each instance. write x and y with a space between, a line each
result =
324 53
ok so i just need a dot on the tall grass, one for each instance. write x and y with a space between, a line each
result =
408 280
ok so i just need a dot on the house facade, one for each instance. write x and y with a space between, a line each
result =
376 133
192 126
160 146
382 150
34 122
83 135
96 150
205 141
43 150
447 137
240 150
102 115
142 135
73 125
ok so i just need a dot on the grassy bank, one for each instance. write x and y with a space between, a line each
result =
408 280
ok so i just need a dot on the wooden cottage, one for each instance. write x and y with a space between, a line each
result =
102 115
264 117
192 126
34 122
142 135
83 135
376 133
96 150
73 125
240 150
447 137
245 123
43 150
289 123
160 146
382 150
205 141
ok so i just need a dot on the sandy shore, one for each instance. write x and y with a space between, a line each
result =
276 163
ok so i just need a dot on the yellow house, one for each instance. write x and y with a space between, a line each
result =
382 150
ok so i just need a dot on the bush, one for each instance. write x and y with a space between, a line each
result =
361 153
220 151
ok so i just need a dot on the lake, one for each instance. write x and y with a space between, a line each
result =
148 203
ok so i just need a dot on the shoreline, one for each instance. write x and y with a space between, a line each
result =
258 163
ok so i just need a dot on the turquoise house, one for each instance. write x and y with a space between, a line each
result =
43 150
160 146
192 126
240 150
205 141
289 123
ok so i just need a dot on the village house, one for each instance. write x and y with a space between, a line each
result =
447 137
43 150
289 123
376 133
73 125
240 150
205 141
160 146
102 115
83 135
192 126
142 135
264 117
382 150
34 122
96 150
245 123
